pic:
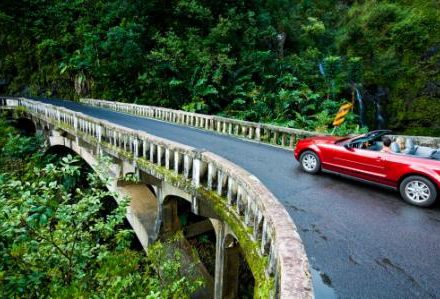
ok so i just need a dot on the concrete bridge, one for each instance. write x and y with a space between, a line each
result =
174 178
361 242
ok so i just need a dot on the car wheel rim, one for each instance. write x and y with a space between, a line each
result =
417 191
309 162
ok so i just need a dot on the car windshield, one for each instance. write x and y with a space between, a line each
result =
370 136
343 139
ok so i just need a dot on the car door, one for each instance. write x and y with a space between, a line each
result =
361 163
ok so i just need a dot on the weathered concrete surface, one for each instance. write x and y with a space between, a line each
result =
143 209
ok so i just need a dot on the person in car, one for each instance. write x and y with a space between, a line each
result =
398 146
386 145
401 142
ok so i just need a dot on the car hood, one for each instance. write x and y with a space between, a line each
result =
326 139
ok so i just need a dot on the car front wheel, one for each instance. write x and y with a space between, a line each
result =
310 162
418 191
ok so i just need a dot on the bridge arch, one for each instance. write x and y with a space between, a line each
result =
25 126
143 210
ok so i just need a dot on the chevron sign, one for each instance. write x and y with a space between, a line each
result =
343 110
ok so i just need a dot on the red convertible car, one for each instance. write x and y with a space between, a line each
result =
417 177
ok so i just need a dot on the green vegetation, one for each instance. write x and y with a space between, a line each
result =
291 63
63 236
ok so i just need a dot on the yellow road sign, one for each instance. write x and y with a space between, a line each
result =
343 110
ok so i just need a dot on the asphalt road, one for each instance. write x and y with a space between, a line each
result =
362 241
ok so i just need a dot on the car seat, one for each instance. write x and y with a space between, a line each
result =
410 147
424 151
395 148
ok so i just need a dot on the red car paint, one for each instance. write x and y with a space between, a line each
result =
387 169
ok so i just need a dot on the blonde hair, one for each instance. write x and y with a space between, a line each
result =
401 142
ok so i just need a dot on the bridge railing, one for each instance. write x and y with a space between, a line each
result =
263 218
276 135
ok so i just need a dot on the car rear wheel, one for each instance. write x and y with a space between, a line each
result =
418 191
310 162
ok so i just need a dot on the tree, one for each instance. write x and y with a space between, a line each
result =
60 238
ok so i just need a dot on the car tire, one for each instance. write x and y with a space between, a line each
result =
310 162
418 191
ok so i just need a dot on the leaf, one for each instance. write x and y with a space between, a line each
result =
175 82
63 69
43 219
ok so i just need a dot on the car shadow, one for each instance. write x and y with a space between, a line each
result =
384 192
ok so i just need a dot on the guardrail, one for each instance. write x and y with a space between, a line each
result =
280 136
276 135
263 218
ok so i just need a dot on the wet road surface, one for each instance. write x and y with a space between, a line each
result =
362 241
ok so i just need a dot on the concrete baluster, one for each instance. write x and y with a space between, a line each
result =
283 139
251 133
239 199
292 141
186 166
136 147
75 123
258 133
125 142
130 144
196 173
207 121
99 133
211 175
272 259
159 155
220 179
247 211
167 158
230 190
114 138
144 148
257 220
275 137
177 161
121 140
264 237
152 152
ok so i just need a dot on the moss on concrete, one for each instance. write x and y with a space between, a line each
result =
257 263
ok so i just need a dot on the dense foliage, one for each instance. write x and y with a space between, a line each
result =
60 238
287 62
